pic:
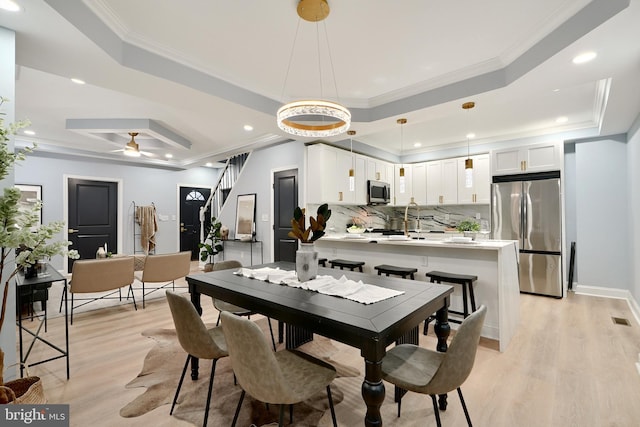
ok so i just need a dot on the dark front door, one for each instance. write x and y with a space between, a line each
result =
93 216
191 200
285 193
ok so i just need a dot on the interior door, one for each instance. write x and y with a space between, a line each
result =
285 194
93 216
191 200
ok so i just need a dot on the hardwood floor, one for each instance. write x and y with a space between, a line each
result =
568 365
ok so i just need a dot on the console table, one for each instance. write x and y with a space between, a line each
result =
248 243
47 276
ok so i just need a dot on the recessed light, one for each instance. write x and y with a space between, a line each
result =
9 5
77 81
29 132
208 164
471 135
584 57
169 156
562 119
248 128
417 144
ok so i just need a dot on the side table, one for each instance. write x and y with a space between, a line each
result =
47 276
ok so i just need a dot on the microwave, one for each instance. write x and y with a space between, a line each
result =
378 192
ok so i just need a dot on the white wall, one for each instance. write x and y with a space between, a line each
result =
140 184
602 217
256 177
570 214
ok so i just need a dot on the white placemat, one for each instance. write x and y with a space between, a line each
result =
328 285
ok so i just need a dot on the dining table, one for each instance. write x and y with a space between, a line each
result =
371 328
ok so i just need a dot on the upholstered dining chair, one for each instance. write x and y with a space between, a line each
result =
430 372
225 306
283 378
196 340
164 269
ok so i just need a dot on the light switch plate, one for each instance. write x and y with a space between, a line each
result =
265 217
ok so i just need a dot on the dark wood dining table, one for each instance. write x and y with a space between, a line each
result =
368 327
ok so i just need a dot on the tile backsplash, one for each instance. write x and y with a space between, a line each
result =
392 217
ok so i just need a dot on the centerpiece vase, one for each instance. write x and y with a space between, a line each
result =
306 262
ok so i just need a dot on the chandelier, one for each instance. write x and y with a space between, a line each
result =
313 118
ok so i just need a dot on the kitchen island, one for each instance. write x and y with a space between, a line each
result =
495 262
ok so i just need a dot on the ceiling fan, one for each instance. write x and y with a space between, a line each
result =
132 149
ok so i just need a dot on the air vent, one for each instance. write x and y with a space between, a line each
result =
620 321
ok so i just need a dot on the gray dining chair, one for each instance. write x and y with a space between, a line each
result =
281 378
226 306
196 340
425 371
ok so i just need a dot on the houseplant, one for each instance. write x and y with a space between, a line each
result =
469 227
306 256
212 244
16 230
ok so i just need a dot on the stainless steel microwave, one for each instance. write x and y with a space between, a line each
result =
378 192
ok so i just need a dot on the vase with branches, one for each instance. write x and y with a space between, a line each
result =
306 255
20 229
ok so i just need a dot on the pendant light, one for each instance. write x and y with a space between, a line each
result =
292 117
352 175
468 163
401 122
132 149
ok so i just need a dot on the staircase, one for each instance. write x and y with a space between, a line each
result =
218 197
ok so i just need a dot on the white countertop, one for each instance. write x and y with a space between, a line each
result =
442 241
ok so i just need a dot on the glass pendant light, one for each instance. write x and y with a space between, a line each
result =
352 175
468 163
401 122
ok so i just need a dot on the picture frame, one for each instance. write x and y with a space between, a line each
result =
29 196
245 216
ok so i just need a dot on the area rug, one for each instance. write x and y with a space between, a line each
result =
163 365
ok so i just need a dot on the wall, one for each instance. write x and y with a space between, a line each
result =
633 162
602 217
257 177
571 234
140 184
7 90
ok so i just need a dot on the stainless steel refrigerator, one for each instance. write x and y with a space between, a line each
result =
527 208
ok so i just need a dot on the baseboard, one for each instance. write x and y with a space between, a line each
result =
624 294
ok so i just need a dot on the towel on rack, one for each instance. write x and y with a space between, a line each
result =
146 217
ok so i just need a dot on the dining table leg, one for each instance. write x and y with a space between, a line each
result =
195 362
442 330
373 393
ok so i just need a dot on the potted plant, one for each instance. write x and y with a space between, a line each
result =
469 227
212 244
17 232
306 256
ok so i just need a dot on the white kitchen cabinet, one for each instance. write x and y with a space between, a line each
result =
480 192
328 176
379 170
442 182
419 183
528 159
402 198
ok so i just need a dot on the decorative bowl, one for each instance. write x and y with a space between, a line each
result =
355 230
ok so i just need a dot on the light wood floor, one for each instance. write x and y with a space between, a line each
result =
568 365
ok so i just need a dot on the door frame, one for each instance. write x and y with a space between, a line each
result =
272 203
65 209
177 215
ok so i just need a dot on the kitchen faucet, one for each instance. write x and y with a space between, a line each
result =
406 211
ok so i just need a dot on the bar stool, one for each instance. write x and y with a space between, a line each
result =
397 271
345 263
322 262
466 281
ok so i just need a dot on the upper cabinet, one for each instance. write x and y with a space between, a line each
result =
402 194
442 182
328 176
528 159
480 191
